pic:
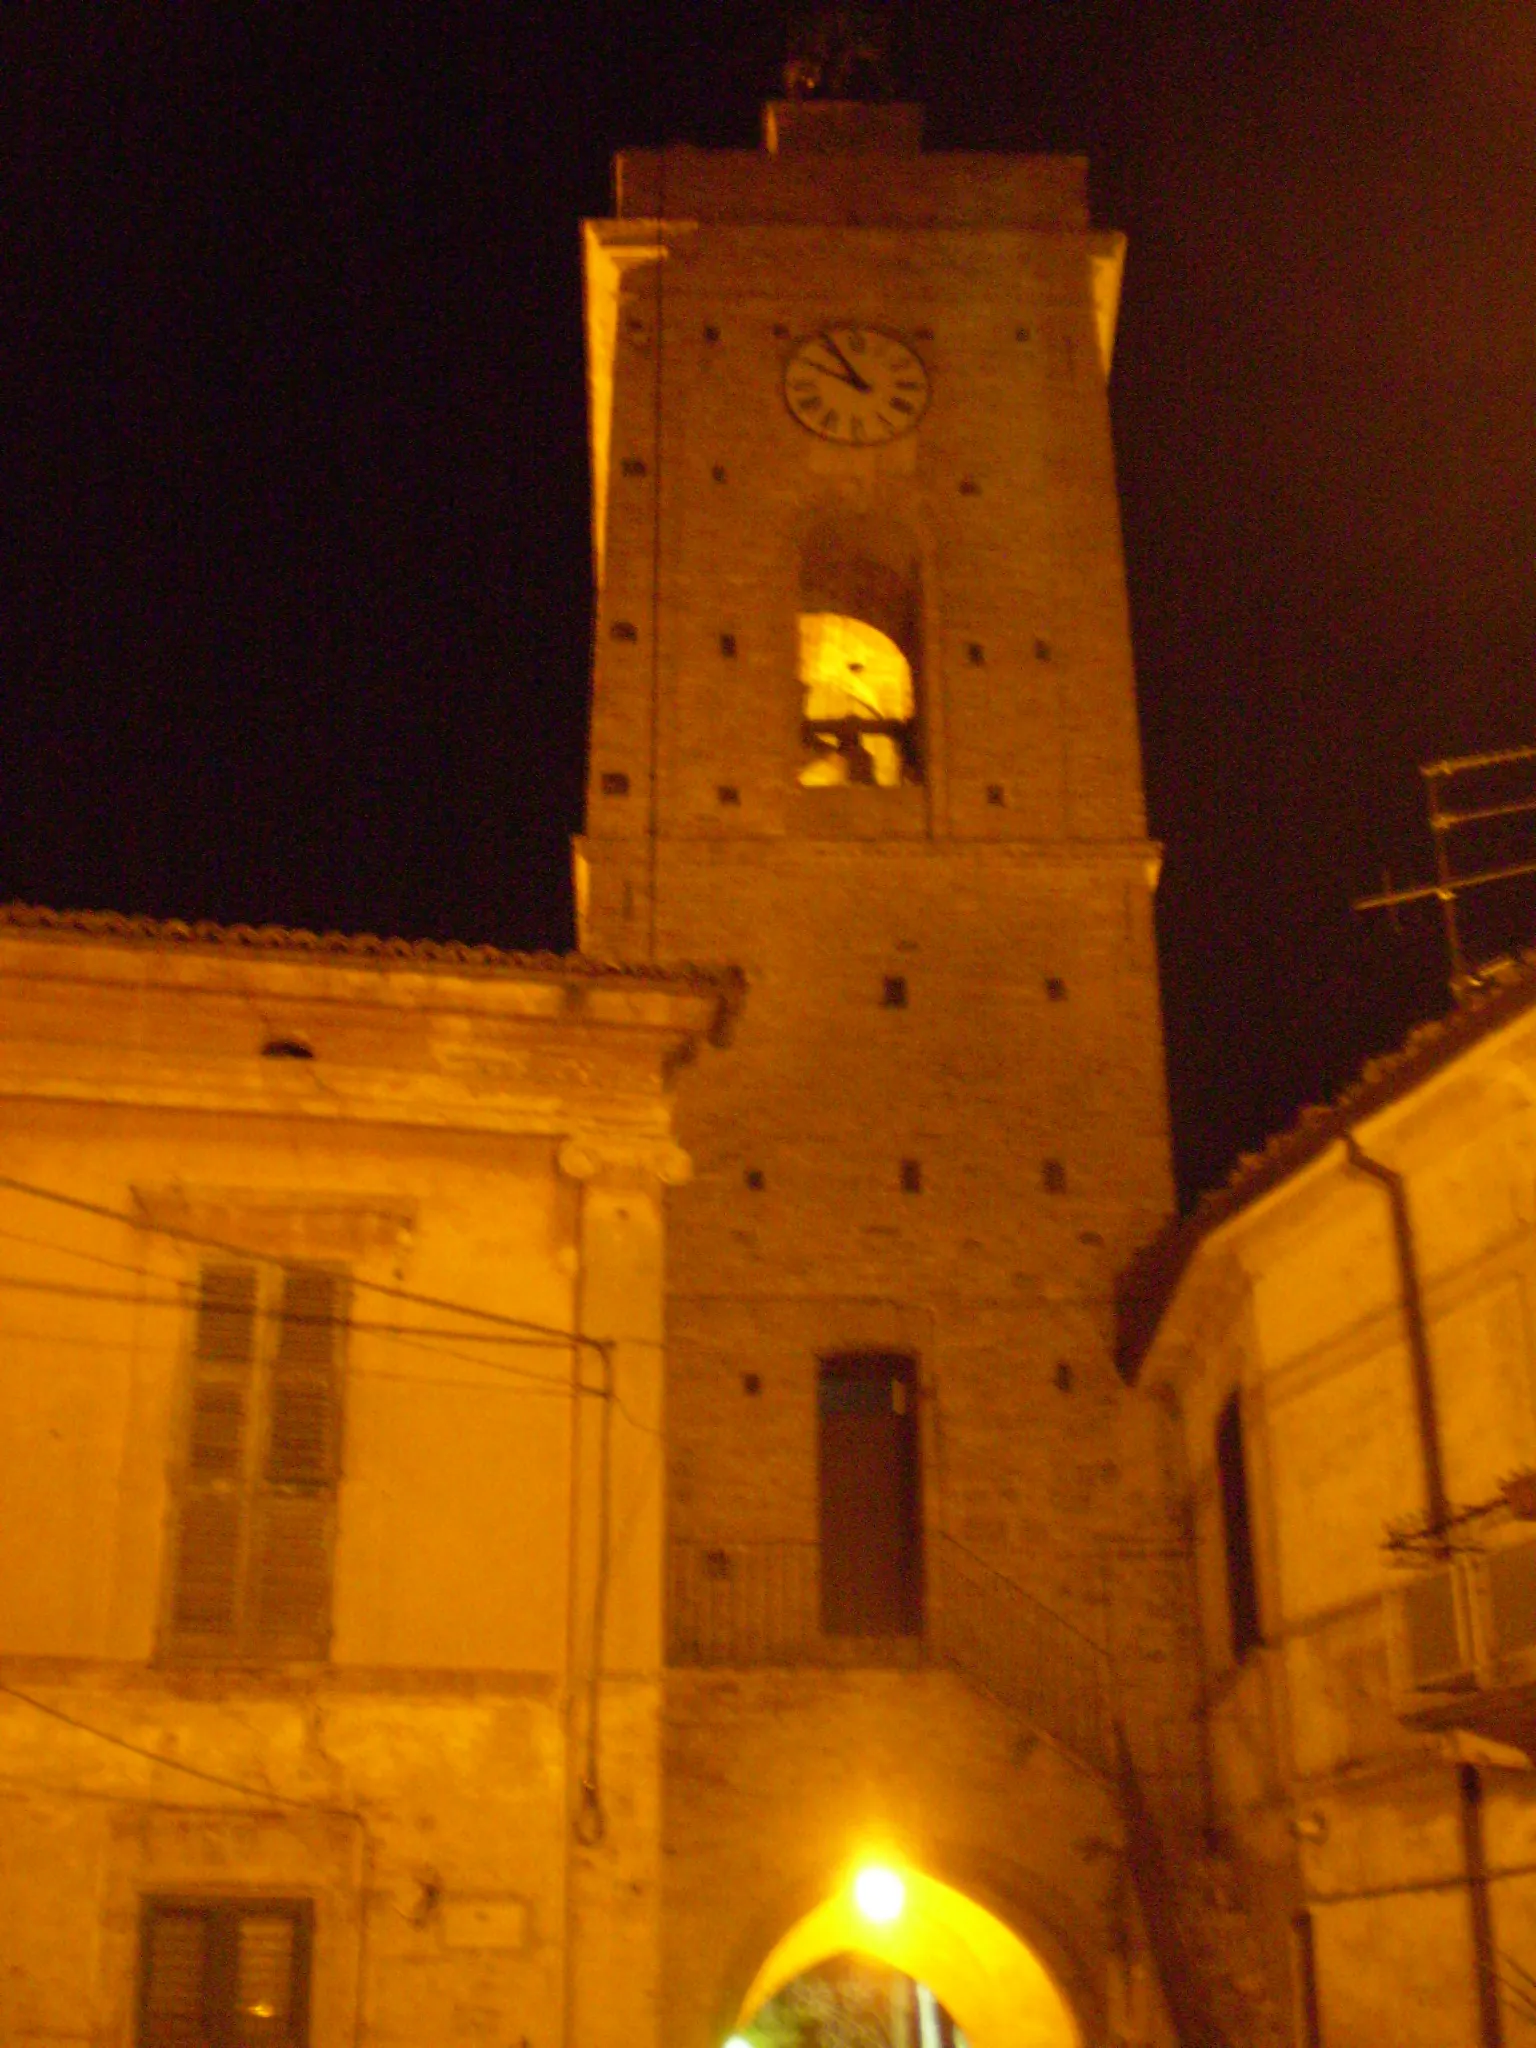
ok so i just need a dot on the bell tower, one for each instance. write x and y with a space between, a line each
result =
864 723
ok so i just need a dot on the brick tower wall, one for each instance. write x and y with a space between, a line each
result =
953 1170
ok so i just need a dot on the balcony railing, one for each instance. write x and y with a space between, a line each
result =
752 1605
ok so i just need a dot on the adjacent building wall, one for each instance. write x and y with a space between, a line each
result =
1296 1306
483 1153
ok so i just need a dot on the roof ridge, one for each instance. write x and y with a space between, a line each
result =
1148 1280
359 946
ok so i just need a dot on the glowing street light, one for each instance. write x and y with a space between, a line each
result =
879 1894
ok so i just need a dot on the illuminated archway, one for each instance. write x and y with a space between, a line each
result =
992 1982
859 658
857 703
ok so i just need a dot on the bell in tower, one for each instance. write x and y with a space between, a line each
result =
864 724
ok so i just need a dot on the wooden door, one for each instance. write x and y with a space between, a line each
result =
871 1537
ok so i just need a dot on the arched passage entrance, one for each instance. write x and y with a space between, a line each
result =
992 1982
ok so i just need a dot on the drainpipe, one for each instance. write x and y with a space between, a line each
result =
1418 1337
1469 1784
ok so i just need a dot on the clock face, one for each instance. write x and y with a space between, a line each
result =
855 385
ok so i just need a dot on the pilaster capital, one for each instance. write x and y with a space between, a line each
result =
618 1157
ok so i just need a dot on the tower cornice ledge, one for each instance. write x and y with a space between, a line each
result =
1144 855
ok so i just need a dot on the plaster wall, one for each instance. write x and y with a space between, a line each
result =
491 1194
1343 1812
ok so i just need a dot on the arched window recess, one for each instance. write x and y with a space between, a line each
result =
857 659
858 706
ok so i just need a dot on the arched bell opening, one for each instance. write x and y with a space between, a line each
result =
858 656
936 1961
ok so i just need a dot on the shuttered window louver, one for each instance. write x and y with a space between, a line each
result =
299 1448
253 1570
175 1967
208 1566
291 1576
264 1959
212 1509
225 1973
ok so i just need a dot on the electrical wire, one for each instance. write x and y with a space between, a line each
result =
42 1788
180 1302
132 1222
591 1822
170 1763
408 1335
71 1251
513 1331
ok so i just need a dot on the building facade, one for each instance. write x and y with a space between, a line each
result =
330 1547
412 1631
1346 1336
864 723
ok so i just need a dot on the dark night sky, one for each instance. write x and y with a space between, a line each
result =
295 441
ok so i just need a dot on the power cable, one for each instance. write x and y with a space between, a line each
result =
380 1287
549 1384
70 1251
421 1338
591 1822
70 1290
263 1793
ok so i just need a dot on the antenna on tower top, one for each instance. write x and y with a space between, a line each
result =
1450 884
840 52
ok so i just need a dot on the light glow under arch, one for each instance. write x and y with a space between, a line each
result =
992 1982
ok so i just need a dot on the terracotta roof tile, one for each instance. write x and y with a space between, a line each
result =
1148 1282
727 983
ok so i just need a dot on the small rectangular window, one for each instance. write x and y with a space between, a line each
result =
256 1496
1237 1525
225 1973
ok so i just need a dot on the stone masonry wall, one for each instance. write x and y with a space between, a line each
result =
954 1170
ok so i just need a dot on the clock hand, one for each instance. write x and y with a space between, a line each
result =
831 370
852 376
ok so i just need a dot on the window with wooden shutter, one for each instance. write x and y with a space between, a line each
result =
299 1443
252 1573
207 1593
225 1973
